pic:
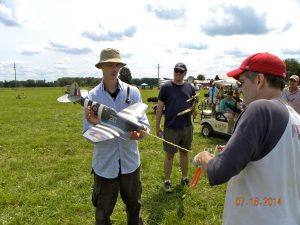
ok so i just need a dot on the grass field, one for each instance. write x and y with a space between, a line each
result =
45 168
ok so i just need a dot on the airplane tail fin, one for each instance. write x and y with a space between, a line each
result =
74 94
74 90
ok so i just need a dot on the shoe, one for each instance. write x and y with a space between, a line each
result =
167 186
185 181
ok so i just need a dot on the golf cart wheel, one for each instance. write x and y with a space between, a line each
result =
207 130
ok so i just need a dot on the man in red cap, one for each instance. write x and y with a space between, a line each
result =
261 159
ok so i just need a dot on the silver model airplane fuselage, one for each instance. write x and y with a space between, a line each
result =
108 116
111 123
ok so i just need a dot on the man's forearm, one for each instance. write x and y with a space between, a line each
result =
158 117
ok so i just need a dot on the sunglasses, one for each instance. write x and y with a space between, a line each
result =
178 71
239 83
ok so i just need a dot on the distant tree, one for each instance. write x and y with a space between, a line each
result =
136 81
40 83
217 77
292 67
30 83
200 77
125 75
149 81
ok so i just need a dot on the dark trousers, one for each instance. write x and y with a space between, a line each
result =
105 195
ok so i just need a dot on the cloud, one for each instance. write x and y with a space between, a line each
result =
29 50
8 16
287 27
110 35
67 49
127 55
235 52
291 51
231 20
60 66
199 46
166 13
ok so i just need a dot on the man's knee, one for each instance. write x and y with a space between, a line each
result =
183 154
169 156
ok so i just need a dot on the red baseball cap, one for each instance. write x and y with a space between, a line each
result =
261 62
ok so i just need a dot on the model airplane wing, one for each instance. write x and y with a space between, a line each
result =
100 133
134 112
184 111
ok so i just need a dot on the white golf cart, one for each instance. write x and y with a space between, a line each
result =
212 124
215 123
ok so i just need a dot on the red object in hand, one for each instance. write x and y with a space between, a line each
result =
196 178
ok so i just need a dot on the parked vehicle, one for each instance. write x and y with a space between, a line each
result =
154 100
212 124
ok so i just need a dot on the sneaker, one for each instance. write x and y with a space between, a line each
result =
167 187
185 181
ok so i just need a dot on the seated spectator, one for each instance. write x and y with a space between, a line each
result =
227 107
239 105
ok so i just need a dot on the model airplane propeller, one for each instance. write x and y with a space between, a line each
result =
111 123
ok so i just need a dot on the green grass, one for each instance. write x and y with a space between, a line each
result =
45 168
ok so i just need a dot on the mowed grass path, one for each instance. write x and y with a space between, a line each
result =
45 167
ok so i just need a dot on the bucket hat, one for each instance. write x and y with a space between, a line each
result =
294 77
110 55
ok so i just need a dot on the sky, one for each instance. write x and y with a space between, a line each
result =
50 39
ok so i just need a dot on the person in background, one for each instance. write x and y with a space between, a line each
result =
227 107
239 105
292 93
261 159
116 162
212 97
220 94
177 129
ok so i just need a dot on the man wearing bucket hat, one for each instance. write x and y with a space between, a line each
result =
292 93
261 159
116 162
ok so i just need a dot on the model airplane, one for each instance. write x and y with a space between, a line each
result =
194 100
111 123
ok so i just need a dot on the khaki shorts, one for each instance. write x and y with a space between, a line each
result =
183 138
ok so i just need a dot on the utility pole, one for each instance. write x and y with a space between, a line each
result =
157 74
15 75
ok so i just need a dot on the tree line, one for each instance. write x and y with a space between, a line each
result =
62 82
292 65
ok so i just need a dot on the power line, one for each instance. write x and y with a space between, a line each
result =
15 75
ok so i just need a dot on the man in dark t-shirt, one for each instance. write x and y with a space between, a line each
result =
177 129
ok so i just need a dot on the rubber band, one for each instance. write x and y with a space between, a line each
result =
196 178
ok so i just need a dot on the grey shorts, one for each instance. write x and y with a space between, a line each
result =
183 138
